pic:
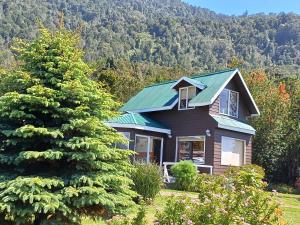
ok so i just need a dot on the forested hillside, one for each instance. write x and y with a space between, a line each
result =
164 32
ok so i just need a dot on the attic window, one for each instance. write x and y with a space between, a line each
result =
185 96
229 103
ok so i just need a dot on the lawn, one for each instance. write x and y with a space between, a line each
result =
291 207
289 203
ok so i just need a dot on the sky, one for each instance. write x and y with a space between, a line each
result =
238 7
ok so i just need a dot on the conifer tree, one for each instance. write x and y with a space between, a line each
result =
57 160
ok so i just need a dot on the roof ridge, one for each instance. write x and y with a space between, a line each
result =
193 76
212 73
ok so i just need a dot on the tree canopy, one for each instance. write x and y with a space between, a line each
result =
57 160
164 32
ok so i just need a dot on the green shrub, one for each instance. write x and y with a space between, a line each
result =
248 175
148 180
282 188
177 211
185 173
205 183
237 198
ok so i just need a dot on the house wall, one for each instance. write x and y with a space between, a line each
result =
243 109
193 122
218 168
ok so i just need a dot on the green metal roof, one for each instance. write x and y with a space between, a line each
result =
213 84
232 124
137 121
162 96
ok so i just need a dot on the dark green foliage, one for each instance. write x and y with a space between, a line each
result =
56 159
165 32
148 180
185 174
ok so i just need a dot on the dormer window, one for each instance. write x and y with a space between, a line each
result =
229 103
185 95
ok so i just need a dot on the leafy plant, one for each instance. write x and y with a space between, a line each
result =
233 200
148 180
185 173
56 159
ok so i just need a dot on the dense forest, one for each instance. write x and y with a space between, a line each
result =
160 32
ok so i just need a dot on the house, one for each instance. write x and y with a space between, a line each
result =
202 118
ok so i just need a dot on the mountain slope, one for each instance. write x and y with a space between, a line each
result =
165 32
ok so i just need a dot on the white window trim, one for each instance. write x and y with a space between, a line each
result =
187 94
238 100
244 154
197 136
148 147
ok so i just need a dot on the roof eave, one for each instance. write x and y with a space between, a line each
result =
139 127
241 130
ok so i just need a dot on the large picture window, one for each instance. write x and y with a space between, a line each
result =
185 95
233 151
192 148
229 103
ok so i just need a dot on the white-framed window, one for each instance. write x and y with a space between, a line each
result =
229 103
122 145
185 95
191 148
232 151
142 147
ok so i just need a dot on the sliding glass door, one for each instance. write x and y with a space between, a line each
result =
148 149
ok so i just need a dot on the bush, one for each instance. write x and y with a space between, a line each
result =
282 188
123 220
185 173
148 180
237 198
205 183
248 175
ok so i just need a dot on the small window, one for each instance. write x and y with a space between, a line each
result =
192 148
232 152
122 145
185 96
229 103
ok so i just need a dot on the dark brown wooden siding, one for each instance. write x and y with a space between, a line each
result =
218 168
192 122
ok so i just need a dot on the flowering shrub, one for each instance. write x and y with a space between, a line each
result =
185 173
237 198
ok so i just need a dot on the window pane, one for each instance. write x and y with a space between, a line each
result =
191 148
191 93
232 152
141 146
121 145
233 106
224 97
183 100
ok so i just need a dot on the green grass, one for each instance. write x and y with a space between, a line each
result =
290 205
